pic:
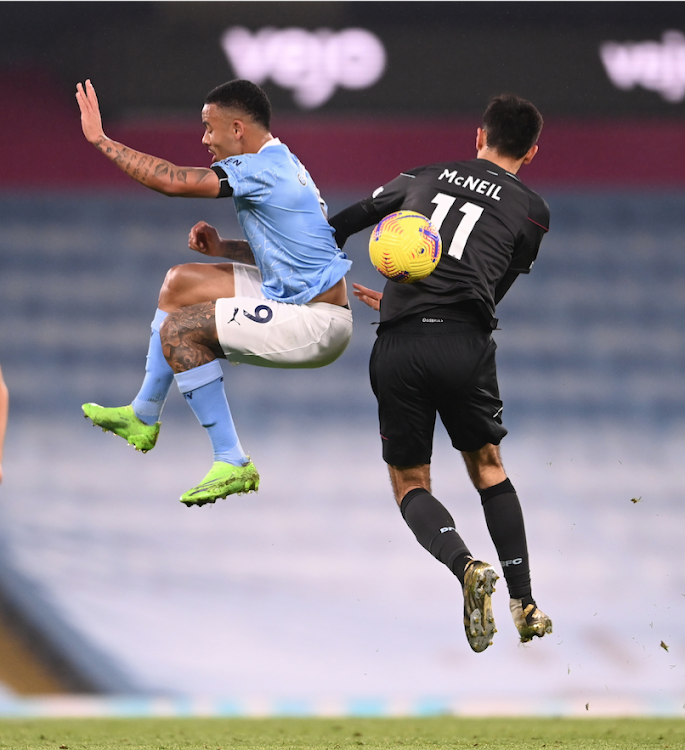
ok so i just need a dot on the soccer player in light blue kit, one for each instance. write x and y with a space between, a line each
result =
282 302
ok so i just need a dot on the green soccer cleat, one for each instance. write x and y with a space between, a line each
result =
530 622
479 622
222 480
122 421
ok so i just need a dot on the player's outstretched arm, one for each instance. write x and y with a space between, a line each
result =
204 238
368 296
157 174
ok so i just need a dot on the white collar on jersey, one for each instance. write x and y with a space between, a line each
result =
272 142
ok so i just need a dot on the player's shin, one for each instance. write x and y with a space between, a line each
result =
505 522
504 519
159 376
203 389
433 527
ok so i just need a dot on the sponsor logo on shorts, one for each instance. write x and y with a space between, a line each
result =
234 318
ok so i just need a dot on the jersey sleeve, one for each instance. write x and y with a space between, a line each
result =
369 211
248 176
351 220
390 197
528 240
225 189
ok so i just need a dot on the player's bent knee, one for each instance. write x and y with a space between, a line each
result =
186 284
406 478
176 282
485 466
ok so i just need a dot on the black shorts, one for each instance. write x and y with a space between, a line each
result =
422 368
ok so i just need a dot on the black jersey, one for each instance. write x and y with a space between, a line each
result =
490 223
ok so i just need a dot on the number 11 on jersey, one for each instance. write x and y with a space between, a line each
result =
472 212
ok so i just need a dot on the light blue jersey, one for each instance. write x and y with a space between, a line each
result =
284 221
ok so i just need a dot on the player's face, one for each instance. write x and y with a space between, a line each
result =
223 132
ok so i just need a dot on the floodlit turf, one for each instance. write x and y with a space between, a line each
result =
333 734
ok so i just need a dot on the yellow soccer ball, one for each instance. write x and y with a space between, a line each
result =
405 247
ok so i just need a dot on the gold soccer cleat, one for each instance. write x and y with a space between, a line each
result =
479 622
530 622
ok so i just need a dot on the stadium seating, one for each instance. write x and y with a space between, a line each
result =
591 361
593 331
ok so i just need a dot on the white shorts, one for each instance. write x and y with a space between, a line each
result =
267 333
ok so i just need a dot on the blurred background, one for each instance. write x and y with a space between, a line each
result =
312 596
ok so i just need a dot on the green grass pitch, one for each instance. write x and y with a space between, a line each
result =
435 733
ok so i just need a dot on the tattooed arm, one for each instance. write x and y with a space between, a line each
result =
205 239
157 174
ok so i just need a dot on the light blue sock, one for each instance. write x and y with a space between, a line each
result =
203 389
159 376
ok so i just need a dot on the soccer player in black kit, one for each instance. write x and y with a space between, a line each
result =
435 354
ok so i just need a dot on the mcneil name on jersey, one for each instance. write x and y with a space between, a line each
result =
475 184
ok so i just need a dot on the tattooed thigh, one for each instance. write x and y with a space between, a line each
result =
189 337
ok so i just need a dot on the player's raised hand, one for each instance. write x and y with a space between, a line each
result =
205 239
368 296
91 121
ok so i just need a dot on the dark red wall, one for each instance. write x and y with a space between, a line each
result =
43 147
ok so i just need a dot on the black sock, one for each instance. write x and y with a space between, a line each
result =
433 527
504 518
